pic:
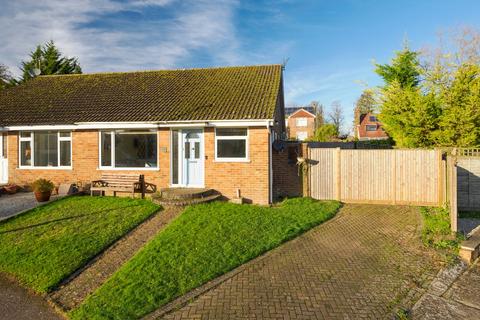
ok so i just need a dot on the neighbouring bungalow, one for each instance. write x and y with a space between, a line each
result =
369 128
300 124
211 128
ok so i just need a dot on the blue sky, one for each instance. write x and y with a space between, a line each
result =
331 45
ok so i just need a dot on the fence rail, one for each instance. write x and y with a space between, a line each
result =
415 177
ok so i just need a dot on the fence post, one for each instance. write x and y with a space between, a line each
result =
142 185
394 176
339 173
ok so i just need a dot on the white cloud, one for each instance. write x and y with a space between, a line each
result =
76 28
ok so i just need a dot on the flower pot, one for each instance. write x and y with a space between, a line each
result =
42 196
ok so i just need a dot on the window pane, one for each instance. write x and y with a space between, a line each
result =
65 153
232 132
65 134
25 153
106 149
187 150
197 150
175 157
231 148
25 134
45 149
4 145
371 128
135 150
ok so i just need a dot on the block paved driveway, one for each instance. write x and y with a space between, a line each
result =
362 264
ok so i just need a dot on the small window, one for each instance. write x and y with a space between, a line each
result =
301 122
231 143
373 119
371 128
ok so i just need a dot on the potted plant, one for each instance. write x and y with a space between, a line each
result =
42 188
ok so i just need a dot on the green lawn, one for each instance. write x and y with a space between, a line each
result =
45 245
204 242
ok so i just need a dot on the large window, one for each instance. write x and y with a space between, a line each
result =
231 144
128 149
46 149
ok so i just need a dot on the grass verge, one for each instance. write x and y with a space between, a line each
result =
204 242
437 234
44 245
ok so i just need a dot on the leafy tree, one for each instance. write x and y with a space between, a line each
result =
48 60
336 116
409 116
325 133
404 69
460 120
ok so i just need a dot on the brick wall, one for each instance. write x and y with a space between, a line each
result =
286 179
252 177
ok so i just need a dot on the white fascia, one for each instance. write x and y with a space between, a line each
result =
144 125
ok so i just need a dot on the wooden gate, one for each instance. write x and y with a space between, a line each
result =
400 176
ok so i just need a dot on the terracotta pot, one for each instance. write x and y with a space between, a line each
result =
42 196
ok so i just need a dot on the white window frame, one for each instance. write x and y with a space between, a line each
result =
247 145
370 126
31 139
112 157
301 122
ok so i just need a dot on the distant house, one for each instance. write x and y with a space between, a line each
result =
369 128
301 124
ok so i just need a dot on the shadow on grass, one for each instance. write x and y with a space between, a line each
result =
65 219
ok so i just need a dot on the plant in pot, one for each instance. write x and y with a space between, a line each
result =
42 188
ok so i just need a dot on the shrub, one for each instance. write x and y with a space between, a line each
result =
42 185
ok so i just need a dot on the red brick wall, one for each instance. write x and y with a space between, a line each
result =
252 177
286 179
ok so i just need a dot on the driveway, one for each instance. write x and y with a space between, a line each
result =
362 264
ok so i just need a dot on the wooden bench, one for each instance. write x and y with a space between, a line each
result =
118 183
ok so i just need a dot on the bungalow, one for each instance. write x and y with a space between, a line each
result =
369 128
211 128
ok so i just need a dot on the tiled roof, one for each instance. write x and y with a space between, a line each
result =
229 93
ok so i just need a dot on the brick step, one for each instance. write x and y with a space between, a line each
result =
185 193
185 202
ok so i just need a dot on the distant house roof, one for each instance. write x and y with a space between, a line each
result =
291 110
229 93
302 113
370 128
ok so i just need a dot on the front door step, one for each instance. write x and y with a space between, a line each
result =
185 196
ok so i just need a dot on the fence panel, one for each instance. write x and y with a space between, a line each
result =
377 176
468 179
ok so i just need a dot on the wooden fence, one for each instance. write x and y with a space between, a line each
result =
414 176
468 179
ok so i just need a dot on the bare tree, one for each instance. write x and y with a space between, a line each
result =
336 115
318 110
5 76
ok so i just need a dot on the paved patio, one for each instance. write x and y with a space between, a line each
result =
11 205
363 264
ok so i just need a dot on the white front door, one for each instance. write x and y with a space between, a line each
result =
3 159
193 158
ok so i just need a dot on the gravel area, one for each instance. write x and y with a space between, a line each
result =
11 205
